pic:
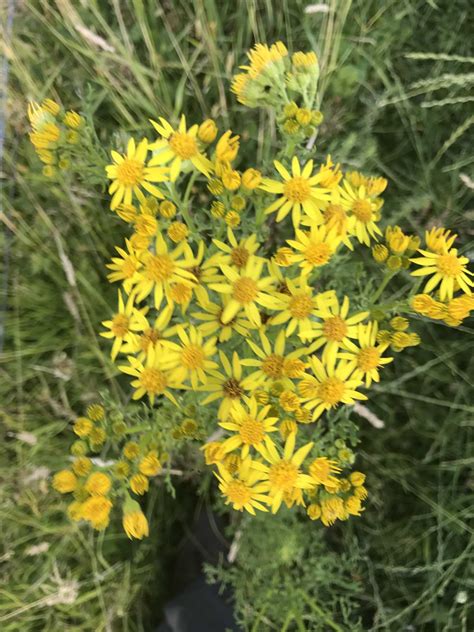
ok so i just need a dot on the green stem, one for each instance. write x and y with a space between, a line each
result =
382 286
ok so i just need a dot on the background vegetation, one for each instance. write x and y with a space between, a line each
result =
397 97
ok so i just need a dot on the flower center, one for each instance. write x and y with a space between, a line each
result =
331 391
301 306
149 338
335 328
153 381
245 290
368 359
317 254
297 189
129 172
283 475
239 256
449 265
362 209
232 388
159 268
120 324
273 366
238 493
129 267
180 293
183 145
252 431
193 357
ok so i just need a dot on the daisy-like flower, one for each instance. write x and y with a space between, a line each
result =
367 360
161 269
125 267
315 248
249 425
151 377
190 360
226 386
244 490
236 253
212 323
127 319
299 192
298 304
150 336
246 290
284 475
448 270
130 173
363 213
322 471
330 387
178 147
273 364
336 329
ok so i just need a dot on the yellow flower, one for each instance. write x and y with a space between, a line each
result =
289 401
237 253
243 490
332 509
304 59
246 290
145 224
46 137
178 147
227 147
397 240
150 464
190 360
73 119
362 213
315 248
298 192
357 479
261 56
367 359
335 331
148 336
96 510
207 131
177 231
96 412
297 304
448 270
82 466
249 424
353 506
231 179
226 386
125 320
130 172
314 511
131 450
380 253
152 378
162 268
322 469
272 363
329 387
135 524
65 481
283 474
213 452
251 179
82 426
212 321
139 484
232 218
125 267
98 484
167 209
439 239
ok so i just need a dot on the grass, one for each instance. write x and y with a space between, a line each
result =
396 101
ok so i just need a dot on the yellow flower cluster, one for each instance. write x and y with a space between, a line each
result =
98 484
239 314
54 134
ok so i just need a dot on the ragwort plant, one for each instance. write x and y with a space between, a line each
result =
259 302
